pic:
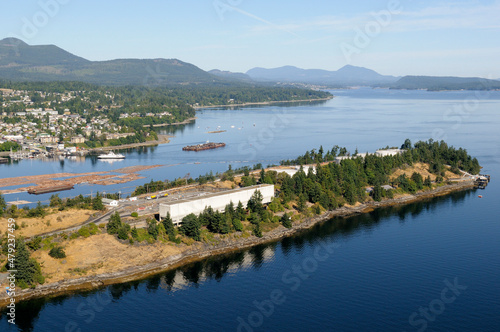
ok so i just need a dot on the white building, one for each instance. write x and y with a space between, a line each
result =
110 202
218 201
388 152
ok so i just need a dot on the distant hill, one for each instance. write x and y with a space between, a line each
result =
345 76
22 62
230 75
445 83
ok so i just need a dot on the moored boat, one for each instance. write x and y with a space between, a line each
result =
111 155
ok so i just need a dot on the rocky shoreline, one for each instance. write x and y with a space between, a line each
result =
204 251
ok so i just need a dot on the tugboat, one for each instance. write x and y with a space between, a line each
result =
111 155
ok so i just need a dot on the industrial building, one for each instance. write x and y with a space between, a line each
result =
388 152
218 201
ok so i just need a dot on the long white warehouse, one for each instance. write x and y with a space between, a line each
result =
218 201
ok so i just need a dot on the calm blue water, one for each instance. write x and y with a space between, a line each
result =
374 272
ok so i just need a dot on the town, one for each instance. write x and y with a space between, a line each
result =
44 124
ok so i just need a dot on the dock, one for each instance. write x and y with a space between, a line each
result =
482 181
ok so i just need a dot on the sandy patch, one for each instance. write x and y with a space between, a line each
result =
99 254
421 168
52 222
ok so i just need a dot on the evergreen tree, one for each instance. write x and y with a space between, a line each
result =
377 192
97 203
134 233
240 211
123 231
257 231
191 227
428 182
255 202
3 205
286 221
115 222
301 204
417 178
28 269
237 225
169 226
153 229
55 200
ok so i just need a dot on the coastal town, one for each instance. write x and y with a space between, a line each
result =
38 124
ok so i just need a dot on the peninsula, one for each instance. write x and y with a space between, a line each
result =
314 187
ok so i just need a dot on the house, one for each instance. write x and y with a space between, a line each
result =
110 202
77 139
46 138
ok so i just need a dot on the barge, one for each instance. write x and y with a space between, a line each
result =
46 190
201 147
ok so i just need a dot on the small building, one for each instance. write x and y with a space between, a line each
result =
109 202
218 201
388 152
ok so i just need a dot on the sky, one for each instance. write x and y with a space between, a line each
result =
392 37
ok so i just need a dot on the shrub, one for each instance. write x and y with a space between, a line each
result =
84 231
35 244
134 214
57 252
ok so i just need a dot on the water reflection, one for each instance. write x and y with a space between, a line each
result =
215 268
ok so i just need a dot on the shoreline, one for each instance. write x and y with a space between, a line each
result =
69 286
264 103
162 139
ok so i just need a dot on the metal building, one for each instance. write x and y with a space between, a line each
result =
218 201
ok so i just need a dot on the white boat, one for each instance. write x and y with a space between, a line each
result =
111 155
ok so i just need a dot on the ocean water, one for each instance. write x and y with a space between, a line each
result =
427 266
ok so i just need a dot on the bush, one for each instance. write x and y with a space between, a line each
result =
35 244
57 252
134 214
84 231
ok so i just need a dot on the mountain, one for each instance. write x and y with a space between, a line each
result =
22 62
345 76
230 75
445 83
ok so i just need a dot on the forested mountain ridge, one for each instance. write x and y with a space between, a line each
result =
22 62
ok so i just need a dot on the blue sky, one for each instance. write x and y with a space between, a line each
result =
393 37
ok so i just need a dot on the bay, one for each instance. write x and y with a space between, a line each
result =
365 273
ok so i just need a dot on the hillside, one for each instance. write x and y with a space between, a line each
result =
345 76
445 83
22 62
230 75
